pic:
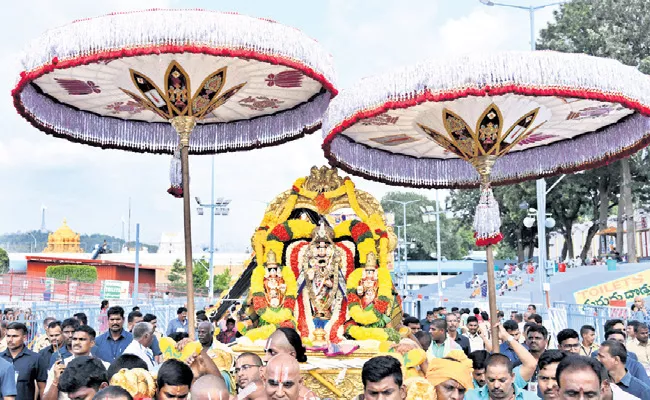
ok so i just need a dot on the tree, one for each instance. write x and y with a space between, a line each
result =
200 275
618 29
4 261
455 237
177 274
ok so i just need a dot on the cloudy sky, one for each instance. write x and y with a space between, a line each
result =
91 187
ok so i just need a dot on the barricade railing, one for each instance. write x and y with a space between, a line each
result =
18 288
33 314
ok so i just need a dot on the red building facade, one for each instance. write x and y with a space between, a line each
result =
106 270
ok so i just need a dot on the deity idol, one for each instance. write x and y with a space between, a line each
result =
274 285
322 276
367 289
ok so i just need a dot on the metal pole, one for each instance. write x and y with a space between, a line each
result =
531 11
212 209
541 191
541 231
406 251
438 251
136 279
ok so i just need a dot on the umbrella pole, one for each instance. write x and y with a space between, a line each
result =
184 126
492 298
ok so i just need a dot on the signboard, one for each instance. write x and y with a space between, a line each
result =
625 288
115 290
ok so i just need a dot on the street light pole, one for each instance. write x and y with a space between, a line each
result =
406 252
218 207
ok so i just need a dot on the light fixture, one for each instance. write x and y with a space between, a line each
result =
198 201
487 2
550 222
423 209
529 222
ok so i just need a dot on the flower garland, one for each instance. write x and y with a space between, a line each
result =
261 333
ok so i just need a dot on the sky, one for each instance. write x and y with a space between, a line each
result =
91 187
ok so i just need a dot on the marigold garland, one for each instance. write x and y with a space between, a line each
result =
352 199
277 316
263 332
362 333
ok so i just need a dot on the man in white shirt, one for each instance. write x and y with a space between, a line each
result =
141 345
83 340
476 340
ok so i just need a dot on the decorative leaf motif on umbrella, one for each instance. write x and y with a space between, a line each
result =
130 107
176 100
593 112
487 139
394 140
380 120
534 138
76 87
260 103
285 79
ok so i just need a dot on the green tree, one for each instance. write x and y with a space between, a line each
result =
222 281
177 273
618 29
456 239
200 276
4 261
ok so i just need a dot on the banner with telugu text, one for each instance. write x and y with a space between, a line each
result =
625 288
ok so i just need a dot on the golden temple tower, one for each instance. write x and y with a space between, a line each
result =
63 240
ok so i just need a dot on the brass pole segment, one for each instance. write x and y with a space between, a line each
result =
184 126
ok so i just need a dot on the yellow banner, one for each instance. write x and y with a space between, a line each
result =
625 288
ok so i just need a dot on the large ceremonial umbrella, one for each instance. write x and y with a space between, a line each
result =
493 118
176 82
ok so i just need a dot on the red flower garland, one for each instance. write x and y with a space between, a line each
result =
334 338
302 322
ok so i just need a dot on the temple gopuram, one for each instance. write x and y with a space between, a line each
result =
63 240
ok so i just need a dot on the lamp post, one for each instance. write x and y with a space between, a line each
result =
218 207
33 237
427 216
547 222
406 251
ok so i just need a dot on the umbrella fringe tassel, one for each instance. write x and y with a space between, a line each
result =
487 219
175 175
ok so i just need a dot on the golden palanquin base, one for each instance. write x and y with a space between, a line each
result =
323 381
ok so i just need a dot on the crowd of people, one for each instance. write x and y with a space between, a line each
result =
73 361
526 367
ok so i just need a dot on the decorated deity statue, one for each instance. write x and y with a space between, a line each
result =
323 279
274 285
367 289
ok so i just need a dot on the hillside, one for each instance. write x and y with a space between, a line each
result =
23 242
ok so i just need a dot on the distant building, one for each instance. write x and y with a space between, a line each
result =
63 240
171 243
106 270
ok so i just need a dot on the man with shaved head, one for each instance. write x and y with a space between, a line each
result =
285 341
282 378
209 387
